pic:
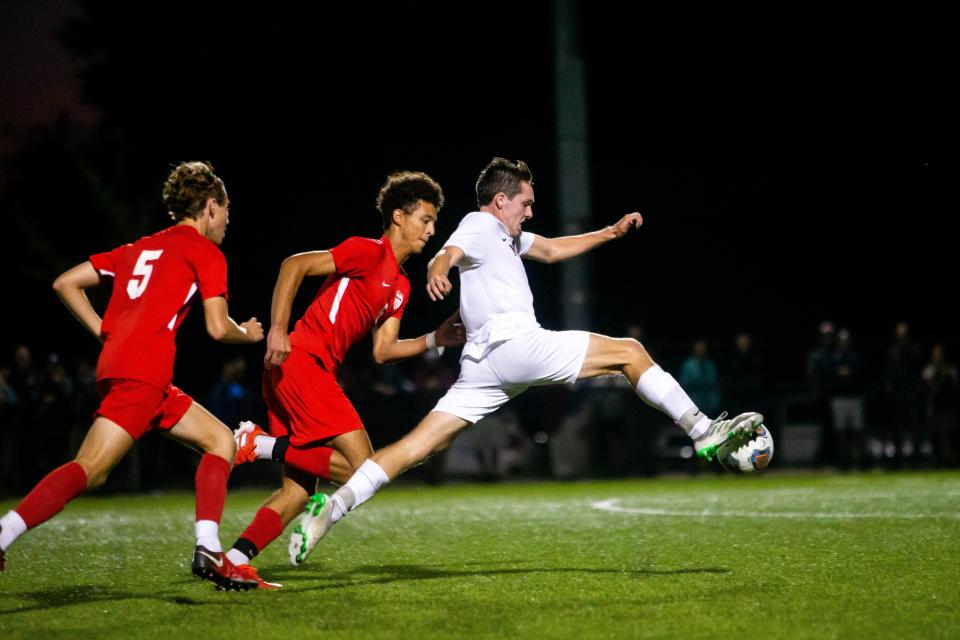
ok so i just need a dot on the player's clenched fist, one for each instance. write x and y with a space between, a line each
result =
438 287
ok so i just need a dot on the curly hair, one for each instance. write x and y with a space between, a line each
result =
188 188
502 175
403 190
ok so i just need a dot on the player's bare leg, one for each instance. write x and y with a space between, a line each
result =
656 387
434 434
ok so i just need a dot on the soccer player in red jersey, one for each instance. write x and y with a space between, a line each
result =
314 430
155 280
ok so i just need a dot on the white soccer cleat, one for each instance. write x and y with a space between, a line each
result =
727 434
314 524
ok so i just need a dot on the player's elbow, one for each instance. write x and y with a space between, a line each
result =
217 330
381 356
61 284
549 255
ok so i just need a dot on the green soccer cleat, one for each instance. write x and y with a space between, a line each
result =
314 524
727 434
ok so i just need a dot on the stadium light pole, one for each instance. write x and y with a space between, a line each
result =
573 168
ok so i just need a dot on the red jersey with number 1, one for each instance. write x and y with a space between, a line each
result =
155 280
367 287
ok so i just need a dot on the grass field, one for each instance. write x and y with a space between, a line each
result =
776 556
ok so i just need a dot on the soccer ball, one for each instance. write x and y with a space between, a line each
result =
751 457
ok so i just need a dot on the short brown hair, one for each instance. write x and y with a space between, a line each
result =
188 188
502 175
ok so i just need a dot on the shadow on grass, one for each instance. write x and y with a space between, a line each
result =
364 575
68 596
385 574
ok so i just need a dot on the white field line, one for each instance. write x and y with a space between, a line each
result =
613 505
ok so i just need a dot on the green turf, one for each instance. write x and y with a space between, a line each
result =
776 556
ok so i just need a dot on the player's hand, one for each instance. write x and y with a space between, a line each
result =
451 332
278 347
254 330
627 222
438 287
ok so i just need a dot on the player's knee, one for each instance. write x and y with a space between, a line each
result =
634 354
220 442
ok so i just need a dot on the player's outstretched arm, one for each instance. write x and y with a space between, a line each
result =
558 249
388 348
70 286
223 328
438 282
292 272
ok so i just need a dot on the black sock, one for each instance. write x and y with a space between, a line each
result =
246 547
280 448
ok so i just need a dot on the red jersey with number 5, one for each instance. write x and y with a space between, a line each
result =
367 287
155 279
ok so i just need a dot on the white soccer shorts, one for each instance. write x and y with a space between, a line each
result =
538 358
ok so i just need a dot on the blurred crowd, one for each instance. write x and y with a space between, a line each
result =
847 410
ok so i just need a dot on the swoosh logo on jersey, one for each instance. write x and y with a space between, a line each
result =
215 560
385 284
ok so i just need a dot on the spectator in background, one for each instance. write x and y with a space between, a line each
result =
847 404
903 387
698 376
230 399
25 378
819 377
743 375
54 413
26 381
942 386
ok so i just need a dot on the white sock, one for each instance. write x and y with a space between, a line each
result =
264 445
359 488
208 535
700 427
341 501
660 390
237 557
13 527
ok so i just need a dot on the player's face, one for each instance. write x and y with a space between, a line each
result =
419 225
220 219
518 209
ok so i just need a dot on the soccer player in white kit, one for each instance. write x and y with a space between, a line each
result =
507 351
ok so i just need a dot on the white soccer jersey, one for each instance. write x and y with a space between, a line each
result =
496 303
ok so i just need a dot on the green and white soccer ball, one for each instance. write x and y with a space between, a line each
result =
752 457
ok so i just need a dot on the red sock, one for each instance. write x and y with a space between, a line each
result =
313 460
265 528
211 486
52 494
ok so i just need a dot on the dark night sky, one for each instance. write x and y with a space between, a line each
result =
790 168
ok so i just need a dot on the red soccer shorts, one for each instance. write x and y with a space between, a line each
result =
305 402
139 407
